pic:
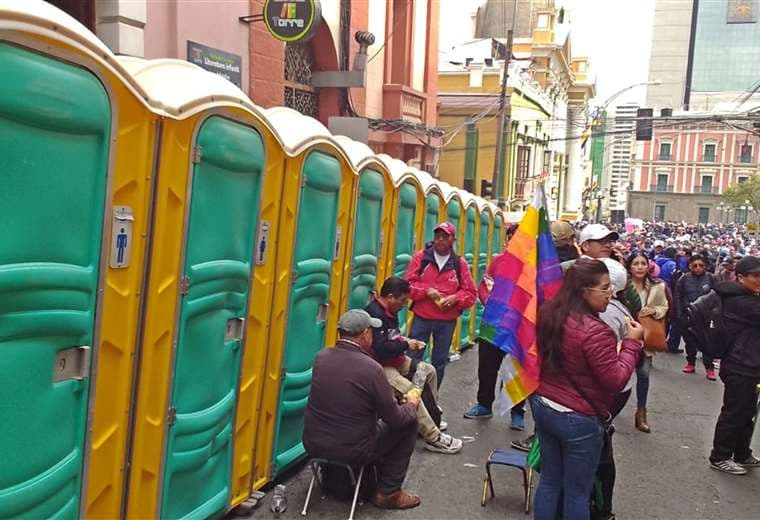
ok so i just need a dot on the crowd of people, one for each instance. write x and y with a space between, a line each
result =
627 293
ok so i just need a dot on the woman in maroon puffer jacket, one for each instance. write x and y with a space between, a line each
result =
581 371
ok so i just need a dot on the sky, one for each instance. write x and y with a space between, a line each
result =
615 34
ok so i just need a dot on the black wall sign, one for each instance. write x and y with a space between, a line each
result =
225 64
292 20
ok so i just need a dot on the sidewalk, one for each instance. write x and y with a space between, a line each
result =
662 475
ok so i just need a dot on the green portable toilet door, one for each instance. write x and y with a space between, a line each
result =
432 208
317 241
367 238
482 264
469 255
404 248
55 127
453 211
498 236
224 207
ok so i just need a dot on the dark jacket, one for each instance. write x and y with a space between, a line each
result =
590 361
387 342
445 281
690 288
741 319
349 393
667 267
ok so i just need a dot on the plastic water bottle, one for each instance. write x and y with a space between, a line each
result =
418 380
279 500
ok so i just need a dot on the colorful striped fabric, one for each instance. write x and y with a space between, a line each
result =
524 276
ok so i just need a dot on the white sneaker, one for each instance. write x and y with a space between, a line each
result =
444 426
445 444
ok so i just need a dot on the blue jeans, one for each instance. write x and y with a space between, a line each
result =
442 332
642 382
571 444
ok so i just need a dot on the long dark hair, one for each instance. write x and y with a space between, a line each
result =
648 279
552 315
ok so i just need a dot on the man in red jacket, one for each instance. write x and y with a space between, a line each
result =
442 287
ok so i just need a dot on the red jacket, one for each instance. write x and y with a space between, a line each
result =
589 353
483 291
444 281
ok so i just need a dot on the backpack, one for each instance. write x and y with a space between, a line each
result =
705 322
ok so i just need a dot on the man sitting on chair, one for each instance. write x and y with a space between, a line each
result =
352 415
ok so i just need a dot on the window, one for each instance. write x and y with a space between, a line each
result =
523 169
745 154
659 212
707 184
82 10
704 216
665 151
543 21
547 161
708 154
741 179
662 182
741 215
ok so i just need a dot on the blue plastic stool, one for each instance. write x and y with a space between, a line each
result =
514 459
316 467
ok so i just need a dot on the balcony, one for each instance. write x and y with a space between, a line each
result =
706 189
708 158
402 102
664 157
661 188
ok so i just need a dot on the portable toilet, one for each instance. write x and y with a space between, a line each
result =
202 305
456 215
435 209
485 226
471 227
498 233
370 224
314 223
77 158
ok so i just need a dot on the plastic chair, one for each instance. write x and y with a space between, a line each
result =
514 459
316 468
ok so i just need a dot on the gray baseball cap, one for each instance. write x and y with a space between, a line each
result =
356 321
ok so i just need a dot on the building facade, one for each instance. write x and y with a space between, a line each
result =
619 156
397 103
685 169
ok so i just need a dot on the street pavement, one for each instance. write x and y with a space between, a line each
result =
663 475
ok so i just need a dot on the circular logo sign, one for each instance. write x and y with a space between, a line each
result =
292 20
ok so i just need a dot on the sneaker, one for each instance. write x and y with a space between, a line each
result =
689 368
523 445
518 422
478 411
728 466
750 462
710 374
443 426
445 444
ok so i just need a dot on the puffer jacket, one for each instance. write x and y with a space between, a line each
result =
667 267
445 281
741 319
690 288
591 361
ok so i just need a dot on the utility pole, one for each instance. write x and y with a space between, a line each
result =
498 180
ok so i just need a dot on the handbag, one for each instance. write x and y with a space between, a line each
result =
655 338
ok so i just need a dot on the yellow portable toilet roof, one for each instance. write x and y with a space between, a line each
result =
400 171
180 88
358 153
294 130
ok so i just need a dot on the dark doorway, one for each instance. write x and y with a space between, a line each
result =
82 10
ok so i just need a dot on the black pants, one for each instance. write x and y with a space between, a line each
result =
392 451
733 431
489 361
692 346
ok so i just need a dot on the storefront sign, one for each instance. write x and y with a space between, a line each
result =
292 20
225 64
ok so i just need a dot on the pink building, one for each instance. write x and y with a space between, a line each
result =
683 171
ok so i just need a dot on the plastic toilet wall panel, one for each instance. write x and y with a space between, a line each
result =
405 232
51 220
469 255
218 262
432 212
483 250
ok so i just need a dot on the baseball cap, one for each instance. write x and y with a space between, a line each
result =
597 232
659 243
356 321
748 264
446 227
562 231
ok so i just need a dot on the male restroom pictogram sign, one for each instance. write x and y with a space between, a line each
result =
121 237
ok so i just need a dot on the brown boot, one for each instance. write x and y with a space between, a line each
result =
641 420
397 500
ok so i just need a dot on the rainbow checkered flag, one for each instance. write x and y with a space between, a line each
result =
524 276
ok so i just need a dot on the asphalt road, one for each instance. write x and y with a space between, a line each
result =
663 475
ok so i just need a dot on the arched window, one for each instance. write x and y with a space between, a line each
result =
299 94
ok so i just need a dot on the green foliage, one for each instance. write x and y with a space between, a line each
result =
738 194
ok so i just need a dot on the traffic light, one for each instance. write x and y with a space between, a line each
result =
486 188
644 124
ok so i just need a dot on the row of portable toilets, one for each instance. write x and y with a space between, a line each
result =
172 259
